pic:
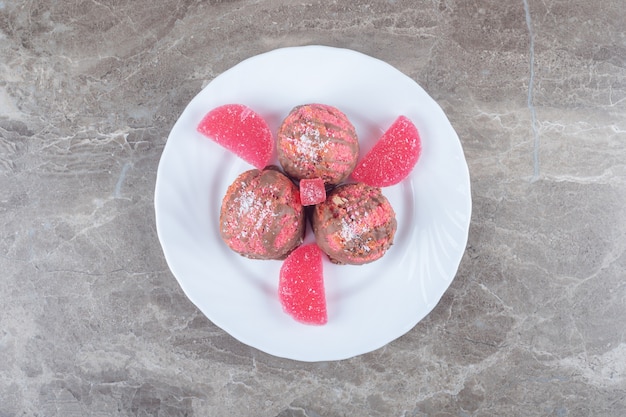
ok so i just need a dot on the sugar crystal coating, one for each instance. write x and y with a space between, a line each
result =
242 131
392 158
301 285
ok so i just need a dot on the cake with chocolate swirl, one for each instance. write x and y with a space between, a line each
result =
261 216
355 225
317 141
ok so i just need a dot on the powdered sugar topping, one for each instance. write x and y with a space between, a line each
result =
352 232
348 231
309 144
251 206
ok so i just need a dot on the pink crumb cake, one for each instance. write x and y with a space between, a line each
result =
317 141
261 215
355 225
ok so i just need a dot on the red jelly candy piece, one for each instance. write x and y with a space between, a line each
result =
242 131
312 191
301 285
392 158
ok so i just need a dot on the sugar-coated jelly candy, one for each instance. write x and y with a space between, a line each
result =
393 157
312 191
301 285
242 131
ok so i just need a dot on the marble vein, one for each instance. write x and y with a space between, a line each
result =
530 98
117 192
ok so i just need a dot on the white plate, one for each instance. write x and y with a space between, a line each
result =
368 305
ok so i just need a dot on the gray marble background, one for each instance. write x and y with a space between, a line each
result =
94 324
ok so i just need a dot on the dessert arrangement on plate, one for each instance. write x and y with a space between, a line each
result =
262 235
264 212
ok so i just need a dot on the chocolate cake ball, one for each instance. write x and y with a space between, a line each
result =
317 141
355 225
261 216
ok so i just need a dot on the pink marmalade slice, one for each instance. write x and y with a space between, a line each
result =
242 131
301 285
312 191
392 158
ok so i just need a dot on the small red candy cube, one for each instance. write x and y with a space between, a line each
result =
312 191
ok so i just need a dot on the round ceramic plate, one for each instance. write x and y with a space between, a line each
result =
369 305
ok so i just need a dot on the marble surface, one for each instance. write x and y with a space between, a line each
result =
92 321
